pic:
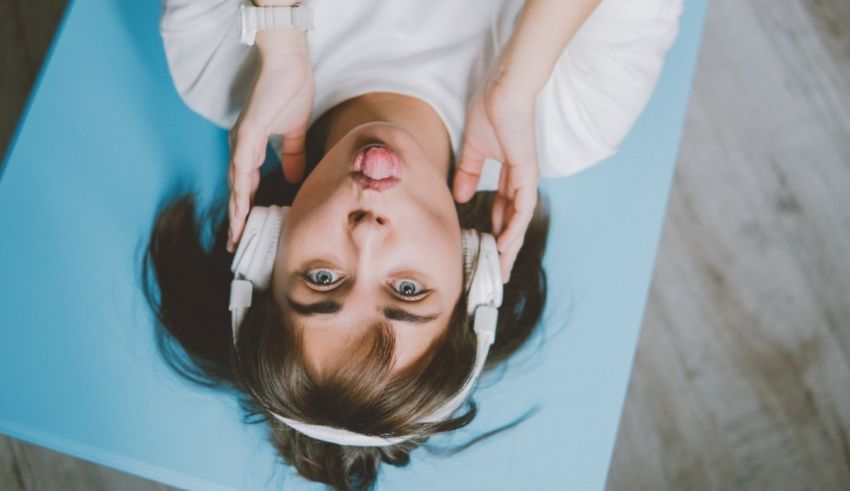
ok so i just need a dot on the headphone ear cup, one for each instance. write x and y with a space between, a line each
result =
254 258
485 284
469 240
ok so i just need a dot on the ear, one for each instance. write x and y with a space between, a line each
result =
254 258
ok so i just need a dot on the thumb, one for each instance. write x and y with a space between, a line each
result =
293 156
468 173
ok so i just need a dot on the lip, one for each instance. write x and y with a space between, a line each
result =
368 183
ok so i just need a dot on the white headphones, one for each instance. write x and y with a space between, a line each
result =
252 268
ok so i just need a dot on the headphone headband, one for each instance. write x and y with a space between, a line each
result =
252 268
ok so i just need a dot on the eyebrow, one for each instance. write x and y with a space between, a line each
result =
390 313
394 314
314 308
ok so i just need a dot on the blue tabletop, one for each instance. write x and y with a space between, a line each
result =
105 137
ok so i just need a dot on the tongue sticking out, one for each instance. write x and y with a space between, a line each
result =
380 163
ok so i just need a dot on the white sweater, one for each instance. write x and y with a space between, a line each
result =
438 51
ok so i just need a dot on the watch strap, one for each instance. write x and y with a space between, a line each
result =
255 19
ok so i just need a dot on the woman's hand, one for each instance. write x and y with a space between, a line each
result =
500 125
280 104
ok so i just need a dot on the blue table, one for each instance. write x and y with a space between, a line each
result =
105 137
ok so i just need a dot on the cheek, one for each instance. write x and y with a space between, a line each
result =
314 198
316 208
309 234
437 210
312 232
438 225
321 184
437 245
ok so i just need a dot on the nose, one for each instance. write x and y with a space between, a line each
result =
359 217
366 225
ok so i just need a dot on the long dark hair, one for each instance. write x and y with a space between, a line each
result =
186 281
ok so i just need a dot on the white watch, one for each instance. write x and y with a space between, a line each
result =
260 18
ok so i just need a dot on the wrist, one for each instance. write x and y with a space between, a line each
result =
281 40
278 46
540 35
513 74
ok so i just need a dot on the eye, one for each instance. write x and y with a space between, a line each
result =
408 289
322 278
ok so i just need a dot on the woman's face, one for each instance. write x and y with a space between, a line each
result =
356 251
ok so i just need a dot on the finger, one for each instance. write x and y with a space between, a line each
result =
243 179
523 206
501 202
244 187
293 156
515 231
468 172
507 260
499 212
519 186
235 225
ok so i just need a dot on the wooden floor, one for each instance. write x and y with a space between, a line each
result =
742 375
741 379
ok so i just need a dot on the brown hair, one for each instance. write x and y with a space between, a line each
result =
265 369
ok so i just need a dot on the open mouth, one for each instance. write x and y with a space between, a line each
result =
376 167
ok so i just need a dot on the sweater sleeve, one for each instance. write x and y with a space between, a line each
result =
211 70
602 82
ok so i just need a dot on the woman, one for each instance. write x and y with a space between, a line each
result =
364 326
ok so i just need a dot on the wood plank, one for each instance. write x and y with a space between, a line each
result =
40 469
11 476
741 377
26 30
